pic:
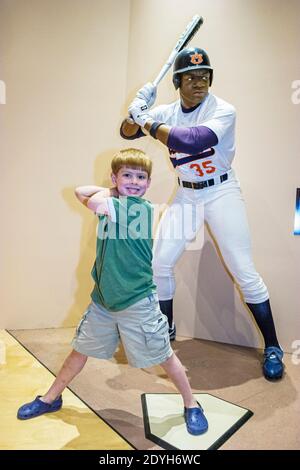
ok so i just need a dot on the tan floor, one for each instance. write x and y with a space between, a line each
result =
75 426
233 373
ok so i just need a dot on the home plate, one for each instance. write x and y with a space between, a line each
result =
165 425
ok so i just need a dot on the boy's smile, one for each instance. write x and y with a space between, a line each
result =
131 181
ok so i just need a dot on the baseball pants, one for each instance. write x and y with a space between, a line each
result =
222 207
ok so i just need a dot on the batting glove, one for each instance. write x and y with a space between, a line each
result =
148 93
138 110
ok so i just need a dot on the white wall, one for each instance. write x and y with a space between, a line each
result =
71 67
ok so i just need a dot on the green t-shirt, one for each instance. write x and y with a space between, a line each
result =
123 268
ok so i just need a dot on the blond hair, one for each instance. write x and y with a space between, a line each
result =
131 158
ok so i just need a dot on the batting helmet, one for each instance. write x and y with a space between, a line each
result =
192 58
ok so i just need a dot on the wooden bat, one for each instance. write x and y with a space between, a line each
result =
184 39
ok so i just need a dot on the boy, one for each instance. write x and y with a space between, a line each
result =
124 300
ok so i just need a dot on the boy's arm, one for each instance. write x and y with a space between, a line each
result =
95 198
83 193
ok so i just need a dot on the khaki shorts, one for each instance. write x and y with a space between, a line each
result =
142 328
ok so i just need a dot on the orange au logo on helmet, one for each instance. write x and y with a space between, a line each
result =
196 58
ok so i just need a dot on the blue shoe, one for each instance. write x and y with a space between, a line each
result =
172 332
195 421
273 365
38 407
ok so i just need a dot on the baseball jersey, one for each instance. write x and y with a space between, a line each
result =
213 113
123 267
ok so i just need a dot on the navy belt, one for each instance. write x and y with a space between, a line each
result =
204 184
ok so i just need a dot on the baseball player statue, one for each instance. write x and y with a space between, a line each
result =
198 130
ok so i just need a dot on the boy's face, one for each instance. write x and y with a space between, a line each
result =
131 181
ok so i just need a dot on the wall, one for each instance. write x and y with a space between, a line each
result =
71 67
64 65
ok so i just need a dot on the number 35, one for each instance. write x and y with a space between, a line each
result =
206 166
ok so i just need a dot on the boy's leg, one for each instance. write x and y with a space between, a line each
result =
176 372
97 336
52 400
196 422
144 334
71 367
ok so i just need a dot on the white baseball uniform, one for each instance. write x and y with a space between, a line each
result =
224 209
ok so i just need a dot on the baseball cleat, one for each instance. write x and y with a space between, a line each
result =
273 365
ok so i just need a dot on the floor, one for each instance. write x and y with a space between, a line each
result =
113 389
75 426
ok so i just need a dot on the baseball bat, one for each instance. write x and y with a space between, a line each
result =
184 39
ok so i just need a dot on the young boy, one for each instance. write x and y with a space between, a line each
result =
124 301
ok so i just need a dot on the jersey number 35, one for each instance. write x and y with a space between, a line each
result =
203 168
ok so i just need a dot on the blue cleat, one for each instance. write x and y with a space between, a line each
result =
195 421
273 365
37 407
